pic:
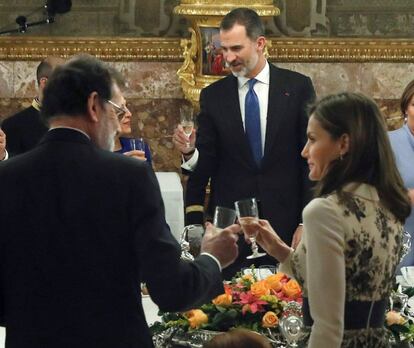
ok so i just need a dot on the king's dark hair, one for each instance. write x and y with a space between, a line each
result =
245 17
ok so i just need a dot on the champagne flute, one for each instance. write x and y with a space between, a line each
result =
248 215
187 120
223 217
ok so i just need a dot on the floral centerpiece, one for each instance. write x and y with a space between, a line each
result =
248 302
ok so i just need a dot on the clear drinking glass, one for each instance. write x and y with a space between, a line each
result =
248 214
187 119
223 217
137 144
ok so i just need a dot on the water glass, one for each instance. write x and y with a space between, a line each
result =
223 217
137 144
265 271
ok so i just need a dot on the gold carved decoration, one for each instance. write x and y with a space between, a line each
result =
341 50
198 69
169 49
106 48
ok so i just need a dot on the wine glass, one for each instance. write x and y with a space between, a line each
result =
223 217
187 120
248 215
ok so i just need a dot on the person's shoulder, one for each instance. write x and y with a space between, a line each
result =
322 205
224 82
396 133
20 116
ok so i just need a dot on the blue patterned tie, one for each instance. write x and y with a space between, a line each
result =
252 122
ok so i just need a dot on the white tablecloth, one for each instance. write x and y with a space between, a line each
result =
172 194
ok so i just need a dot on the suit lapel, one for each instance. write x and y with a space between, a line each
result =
277 106
232 115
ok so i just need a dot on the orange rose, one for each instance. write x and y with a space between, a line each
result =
394 318
223 300
277 277
292 289
196 317
260 288
274 282
270 319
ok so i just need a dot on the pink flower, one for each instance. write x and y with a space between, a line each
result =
254 304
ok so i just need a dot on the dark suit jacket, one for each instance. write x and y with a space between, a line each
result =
23 131
80 229
281 183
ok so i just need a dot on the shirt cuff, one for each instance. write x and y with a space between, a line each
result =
6 156
191 164
214 258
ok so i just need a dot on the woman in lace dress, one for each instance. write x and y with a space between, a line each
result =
352 228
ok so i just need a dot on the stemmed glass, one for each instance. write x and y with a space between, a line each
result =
187 120
223 217
248 215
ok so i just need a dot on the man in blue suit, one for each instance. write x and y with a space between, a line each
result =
251 149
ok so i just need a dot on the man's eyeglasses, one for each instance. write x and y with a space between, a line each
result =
120 111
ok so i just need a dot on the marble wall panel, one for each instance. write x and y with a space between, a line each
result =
6 79
151 80
24 79
154 94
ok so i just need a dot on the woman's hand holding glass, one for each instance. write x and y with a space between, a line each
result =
248 215
137 146
269 240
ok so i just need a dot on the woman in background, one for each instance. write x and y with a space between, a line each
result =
402 143
353 227
122 143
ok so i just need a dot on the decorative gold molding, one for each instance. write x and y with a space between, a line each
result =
169 49
214 10
341 50
106 48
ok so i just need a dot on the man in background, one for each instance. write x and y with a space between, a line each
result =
25 129
251 131
86 227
